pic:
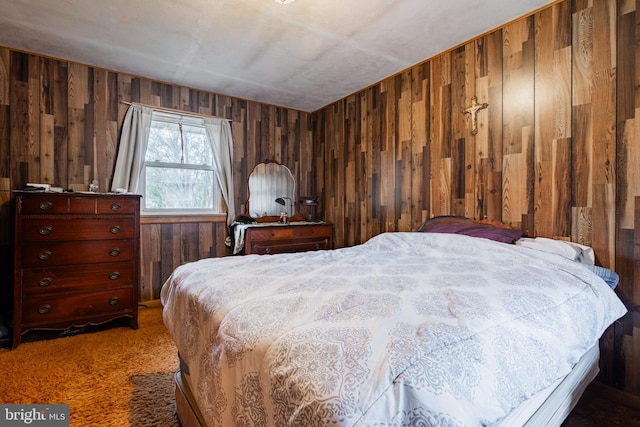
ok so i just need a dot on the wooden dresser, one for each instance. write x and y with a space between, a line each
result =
76 260
276 239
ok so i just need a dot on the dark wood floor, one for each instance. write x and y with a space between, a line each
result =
601 406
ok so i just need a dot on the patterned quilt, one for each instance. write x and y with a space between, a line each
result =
406 329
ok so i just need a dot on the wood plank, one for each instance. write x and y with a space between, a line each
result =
5 80
19 134
604 223
150 257
78 92
562 190
440 130
444 191
5 142
47 149
60 98
98 138
167 254
218 238
582 225
205 241
632 377
519 83
419 150
634 294
626 65
582 155
626 258
512 185
477 149
491 187
627 161
6 232
552 105
582 49
460 92
76 148
436 135
189 242
6 229
400 217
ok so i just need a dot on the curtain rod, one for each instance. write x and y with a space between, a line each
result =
174 110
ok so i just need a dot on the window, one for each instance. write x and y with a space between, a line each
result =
178 172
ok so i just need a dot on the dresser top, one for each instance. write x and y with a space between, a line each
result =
72 194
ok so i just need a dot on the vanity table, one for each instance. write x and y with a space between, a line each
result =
274 237
272 194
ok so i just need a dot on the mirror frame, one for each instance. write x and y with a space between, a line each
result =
270 181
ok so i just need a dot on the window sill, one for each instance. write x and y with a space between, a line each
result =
182 219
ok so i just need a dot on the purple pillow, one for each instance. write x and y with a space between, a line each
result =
457 225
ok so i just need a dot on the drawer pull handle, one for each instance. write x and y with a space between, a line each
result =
45 206
46 230
45 255
114 275
46 281
114 252
44 309
267 250
114 301
116 206
115 229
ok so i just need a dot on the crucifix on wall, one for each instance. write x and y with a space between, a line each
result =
473 110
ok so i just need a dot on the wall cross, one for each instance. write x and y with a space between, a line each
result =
473 110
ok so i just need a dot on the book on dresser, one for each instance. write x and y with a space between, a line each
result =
76 260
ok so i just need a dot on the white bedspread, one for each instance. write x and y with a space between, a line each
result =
406 329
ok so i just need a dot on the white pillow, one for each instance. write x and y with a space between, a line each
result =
573 251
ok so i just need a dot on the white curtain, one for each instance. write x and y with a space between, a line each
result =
133 146
219 133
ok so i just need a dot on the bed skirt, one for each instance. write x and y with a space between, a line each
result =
550 407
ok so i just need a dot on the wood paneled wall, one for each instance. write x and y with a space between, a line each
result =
51 111
556 153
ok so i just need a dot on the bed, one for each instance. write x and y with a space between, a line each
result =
437 328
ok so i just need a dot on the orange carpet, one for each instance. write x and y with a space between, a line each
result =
112 377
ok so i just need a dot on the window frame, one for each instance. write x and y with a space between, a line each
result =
218 205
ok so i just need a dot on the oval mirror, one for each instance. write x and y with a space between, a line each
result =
271 190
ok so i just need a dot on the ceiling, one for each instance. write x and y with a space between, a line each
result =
303 55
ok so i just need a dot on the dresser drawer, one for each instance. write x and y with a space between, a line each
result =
117 205
287 238
50 229
37 281
78 305
85 204
288 232
269 247
43 204
80 252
